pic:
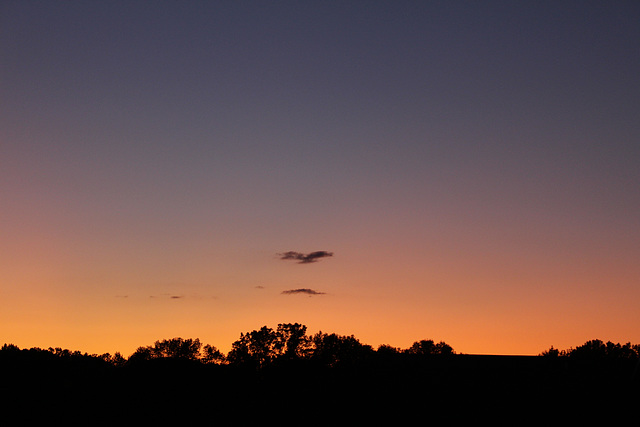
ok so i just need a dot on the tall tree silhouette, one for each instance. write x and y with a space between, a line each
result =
258 348
293 341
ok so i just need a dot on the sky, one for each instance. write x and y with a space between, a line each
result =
459 171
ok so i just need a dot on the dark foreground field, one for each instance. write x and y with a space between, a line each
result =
458 389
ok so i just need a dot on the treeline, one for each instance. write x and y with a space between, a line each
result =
289 343
299 378
597 349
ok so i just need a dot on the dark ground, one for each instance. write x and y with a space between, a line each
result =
458 389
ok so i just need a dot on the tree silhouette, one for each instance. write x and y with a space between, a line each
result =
141 354
553 352
429 348
333 350
264 346
593 349
211 355
385 349
597 349
258 348
176 348
293 343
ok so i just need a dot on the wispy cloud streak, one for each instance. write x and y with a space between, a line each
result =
302 291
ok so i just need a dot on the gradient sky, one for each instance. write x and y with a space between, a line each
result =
473 167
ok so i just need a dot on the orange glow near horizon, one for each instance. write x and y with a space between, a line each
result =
495 303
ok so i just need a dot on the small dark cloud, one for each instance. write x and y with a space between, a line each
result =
302 291
170 296
305 258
